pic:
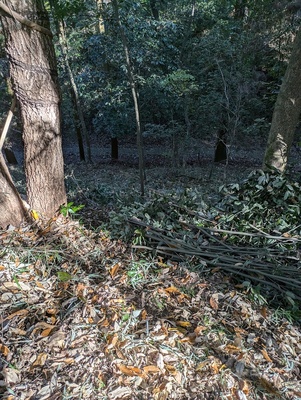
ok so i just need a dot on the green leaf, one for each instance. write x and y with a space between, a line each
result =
64 276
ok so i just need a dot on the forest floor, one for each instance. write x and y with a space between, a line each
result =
85 315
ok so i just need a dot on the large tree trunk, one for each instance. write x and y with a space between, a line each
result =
34 75
286 113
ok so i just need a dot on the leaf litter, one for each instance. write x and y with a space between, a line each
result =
83 316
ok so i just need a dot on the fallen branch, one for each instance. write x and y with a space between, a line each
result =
277 268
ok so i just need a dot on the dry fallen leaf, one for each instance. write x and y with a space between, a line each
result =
4 350
264 312
151 369
112 340
214 301
266 356
172 289
18 313
130 370
114 270
41 359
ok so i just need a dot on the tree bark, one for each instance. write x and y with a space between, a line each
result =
34 75
134 95
12 210
286 113
75 95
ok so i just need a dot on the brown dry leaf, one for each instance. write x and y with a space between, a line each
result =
266 356
18 313
40 361
172 289
112 340
104 323
46 329
120 354
214 301
182 297
244 386
46 332
130 371
80 288
143 315
189 339
199 329
52 311
68 361
4 350
230 348
114 270
151 369
216 365
2 268
171 369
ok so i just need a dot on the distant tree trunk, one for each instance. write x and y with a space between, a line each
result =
135 97
114 148
33 70
240 8
101 27
286 113
76 100
220 153
79 136
154 9
81 128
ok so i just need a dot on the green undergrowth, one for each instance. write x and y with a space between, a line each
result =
265 205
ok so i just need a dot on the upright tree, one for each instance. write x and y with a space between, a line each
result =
33 71
286 113
134 95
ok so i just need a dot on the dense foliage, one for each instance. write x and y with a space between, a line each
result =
201 68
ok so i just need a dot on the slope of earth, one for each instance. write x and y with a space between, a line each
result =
84 316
